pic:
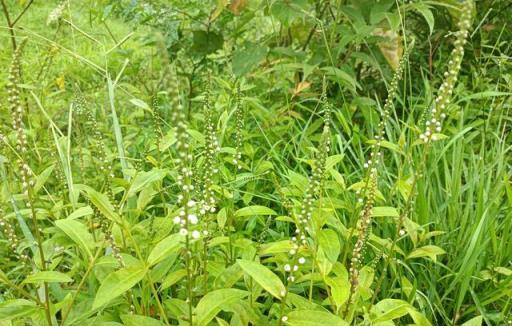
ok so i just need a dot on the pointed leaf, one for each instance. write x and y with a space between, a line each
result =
212 303
118 282
314 318
48 276
165 248
77 232
254 210
264 277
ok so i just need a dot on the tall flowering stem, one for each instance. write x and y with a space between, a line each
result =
186 218
365 215
240 123
433 125
26 174
437 112
303 220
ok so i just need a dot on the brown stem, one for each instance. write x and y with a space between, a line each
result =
9 25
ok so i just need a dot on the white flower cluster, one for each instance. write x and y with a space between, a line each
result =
56 13
433 125
211 145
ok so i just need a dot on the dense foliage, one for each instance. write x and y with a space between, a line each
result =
256 162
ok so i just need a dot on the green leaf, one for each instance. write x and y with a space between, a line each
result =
254 210
215 301
330 243
245 60
476 321
48 276
143 179
173 278
427 251
340 289
419 318
138 320
389 309
17 308
380 211
314 318
206 42
102 202
273 248
79 233
264 277
82 211
140 103
118 282
165 248
425 11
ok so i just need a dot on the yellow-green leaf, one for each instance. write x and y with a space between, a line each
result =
264 277
79 233
118 282
314 318
48 276
254 210
213 302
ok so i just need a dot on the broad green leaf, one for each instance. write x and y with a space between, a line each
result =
425 11
245 60
80 212
164 248
118 282
142 179
340 289
213 302
102 202
138 320
419 318
384 211
42 178
430 251
173 278
264 277
48 276
277 247
16 308
79 233
254 210
330 243
389 309
140 103
476 321
314 318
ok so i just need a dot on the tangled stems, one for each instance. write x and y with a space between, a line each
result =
437 114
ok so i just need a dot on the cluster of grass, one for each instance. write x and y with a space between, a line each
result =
161 175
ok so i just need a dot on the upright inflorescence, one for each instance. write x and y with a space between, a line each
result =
437 113
211 145
82 111
239 116
10 233
187 217
16 109
370 189
303 218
